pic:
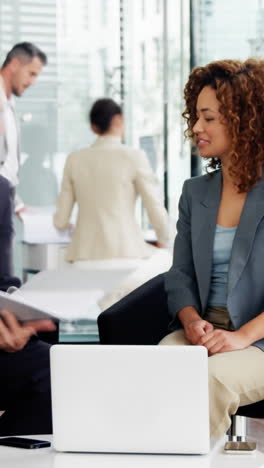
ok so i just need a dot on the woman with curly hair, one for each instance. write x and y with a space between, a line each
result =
215 286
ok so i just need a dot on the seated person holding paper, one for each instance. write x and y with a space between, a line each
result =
25 377
24 359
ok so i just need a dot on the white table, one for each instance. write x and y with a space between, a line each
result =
48 458
37 257
116 277
50 256
43 246
70 289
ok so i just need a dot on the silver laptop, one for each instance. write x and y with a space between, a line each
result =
130 399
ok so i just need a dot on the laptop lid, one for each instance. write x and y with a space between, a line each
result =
131 399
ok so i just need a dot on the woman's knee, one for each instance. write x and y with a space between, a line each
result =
175 338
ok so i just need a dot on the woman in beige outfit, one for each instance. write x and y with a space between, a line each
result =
105 180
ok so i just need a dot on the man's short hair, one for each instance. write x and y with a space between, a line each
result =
25 52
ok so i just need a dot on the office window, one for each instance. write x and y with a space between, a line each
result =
82 40
143 61
143 9
228 29
157 65
158 6
7 28
157 57
83 56
53 112
104 12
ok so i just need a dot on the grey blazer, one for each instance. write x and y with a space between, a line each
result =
188 281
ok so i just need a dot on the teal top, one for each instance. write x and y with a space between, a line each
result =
223 242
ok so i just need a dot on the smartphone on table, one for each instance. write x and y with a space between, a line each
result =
23 442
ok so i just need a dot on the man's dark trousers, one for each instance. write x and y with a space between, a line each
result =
25 390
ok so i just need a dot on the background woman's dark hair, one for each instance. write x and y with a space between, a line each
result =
239 89
102 112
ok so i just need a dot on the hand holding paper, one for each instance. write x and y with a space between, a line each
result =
14 336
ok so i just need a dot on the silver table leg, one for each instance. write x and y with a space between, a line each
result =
237 442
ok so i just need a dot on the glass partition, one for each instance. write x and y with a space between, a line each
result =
156 64
178 69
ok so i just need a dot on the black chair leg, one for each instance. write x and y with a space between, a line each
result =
237 442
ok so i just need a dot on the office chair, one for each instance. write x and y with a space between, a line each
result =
7 282
142 318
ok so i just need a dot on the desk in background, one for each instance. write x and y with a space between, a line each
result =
37 257
43 246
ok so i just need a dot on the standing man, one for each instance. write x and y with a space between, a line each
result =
20 69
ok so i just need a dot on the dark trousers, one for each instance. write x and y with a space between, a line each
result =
6 228
25 390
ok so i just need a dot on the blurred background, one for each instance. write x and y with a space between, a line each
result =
138 52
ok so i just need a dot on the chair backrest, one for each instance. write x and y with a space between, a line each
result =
8 281
254 410
141 317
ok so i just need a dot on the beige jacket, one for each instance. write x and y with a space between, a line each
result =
105 180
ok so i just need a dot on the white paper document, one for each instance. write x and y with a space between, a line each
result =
38 227
35 305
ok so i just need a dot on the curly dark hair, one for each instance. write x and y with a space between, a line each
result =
240 90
